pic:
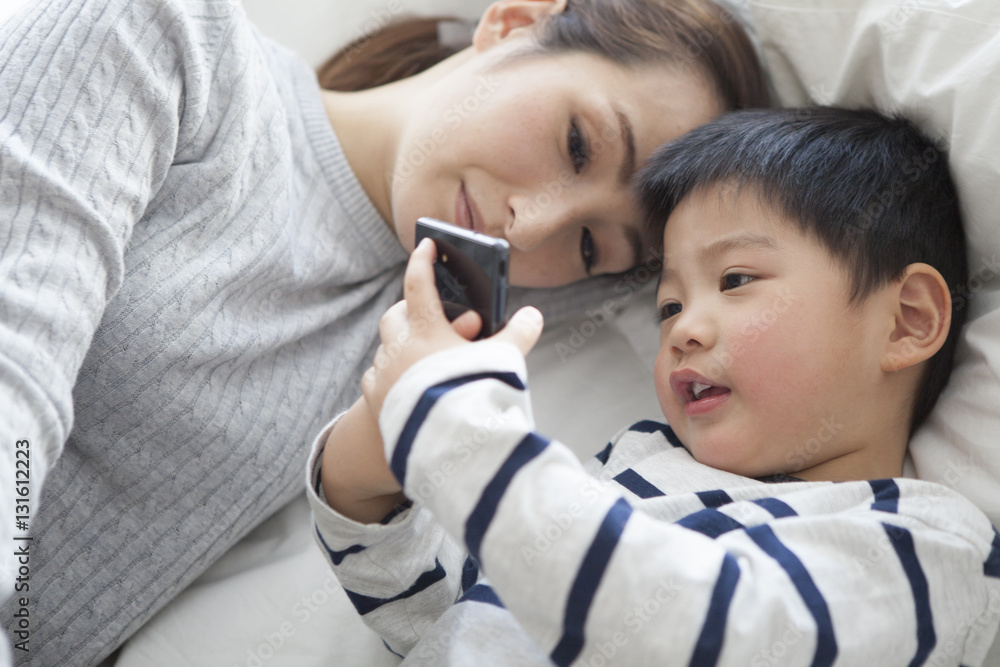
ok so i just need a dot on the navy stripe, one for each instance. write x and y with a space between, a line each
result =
673 439
710 522
637 484
826 641
482 593
588 578
338 556
402 451
482 515
396 511
902 542
365 604
709 646
650 426
886 495
470 573
716 498
389 648
604 454
991 568
779 509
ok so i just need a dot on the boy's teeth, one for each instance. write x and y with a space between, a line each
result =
697 388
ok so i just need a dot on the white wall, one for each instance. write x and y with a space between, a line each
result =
7 7
316 28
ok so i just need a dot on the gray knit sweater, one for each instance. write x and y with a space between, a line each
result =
191 279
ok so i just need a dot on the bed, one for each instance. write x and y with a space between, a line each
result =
272 600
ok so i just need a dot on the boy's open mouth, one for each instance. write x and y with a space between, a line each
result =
697 393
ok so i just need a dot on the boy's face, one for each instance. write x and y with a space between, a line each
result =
763 366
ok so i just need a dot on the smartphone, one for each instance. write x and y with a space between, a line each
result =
471 272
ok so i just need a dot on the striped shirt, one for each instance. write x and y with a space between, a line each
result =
643 555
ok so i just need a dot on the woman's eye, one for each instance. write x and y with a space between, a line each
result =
668 310
579 152
587 251
734 280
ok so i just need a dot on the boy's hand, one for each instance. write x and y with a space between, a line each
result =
417 327
357 482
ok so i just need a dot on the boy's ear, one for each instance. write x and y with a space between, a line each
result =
505 17
921 302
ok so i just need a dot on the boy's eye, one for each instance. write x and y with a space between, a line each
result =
579 152
668 310
734 280
587 250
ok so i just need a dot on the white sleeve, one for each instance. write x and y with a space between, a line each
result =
589 578
400 574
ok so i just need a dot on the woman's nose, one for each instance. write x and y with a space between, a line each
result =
538 218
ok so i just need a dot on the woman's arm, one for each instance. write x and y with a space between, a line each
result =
94 98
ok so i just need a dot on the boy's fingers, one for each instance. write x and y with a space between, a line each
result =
468 324
419 286
368 384
393 320
523 329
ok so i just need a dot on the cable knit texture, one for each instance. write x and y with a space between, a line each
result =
191 280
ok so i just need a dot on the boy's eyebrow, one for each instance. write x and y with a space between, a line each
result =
628 140
743 240
739 241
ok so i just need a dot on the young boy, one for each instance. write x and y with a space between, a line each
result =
807 330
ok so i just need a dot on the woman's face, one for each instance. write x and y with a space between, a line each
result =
539 151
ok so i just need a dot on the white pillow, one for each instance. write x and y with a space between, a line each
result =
938 63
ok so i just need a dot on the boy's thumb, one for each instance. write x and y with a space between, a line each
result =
523 329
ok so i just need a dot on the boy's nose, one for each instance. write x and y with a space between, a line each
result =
690 333
684 348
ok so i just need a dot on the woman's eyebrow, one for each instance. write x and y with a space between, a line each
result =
628 141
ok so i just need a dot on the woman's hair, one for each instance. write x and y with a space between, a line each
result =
874 190
686 33
395 52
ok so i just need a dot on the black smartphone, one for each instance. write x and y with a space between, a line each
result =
471 272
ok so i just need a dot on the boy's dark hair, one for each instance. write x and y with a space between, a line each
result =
874 190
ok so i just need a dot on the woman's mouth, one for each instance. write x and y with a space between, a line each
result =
464 216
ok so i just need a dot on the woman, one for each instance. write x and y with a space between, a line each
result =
197 246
